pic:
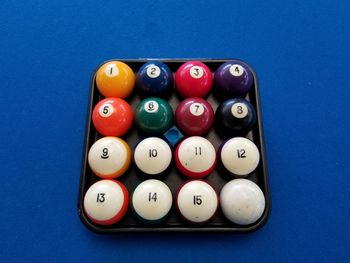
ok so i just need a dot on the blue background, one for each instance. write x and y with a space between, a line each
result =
300 51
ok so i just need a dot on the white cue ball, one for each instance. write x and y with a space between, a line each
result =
242 201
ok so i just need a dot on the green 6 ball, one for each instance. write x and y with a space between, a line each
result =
153 116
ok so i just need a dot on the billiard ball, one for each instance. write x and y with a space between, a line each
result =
239 156
151 201
193 79
109 157
112 117
195 157
152 156
115 79
242 201
153 116
154 79
233 78
106 202
235 117
194 116
197 201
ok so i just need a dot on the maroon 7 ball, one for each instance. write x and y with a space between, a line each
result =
194 116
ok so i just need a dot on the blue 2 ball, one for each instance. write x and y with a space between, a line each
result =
154 79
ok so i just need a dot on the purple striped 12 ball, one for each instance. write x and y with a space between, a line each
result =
233 79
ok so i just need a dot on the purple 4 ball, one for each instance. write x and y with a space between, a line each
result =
233 79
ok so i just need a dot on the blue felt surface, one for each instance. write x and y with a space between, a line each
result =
300 51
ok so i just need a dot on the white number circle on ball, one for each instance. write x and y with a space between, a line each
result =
111 70
152 155
151 106
107 156
196 109
196 72
197 201
236 70
106 110
242 201
153 71
239 110
240 156
152 199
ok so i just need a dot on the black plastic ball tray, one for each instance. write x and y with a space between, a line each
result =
173 179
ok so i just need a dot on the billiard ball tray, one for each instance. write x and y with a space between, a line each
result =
172 177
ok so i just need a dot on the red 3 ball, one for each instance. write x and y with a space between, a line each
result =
193 79
194 116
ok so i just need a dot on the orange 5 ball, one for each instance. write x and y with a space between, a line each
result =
112 117
115 79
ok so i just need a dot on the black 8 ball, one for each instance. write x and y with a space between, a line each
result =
235 117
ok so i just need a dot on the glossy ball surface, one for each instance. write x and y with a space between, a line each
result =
152 156
233 78
235 117
195 157
106 202
193 79
109 157
242 201
152 201
115 79
112 117
154 79
197 201
240 156
194 116
153 116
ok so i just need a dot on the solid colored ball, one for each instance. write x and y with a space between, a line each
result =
195 157
106 202
115 79
153 116
193 79
235 117
154 79
240 156
112 117
233 78
109 157
242 201
194 116
152 156
197 201
152 201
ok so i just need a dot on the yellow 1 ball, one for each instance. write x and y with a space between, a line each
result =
115 79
